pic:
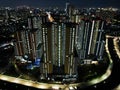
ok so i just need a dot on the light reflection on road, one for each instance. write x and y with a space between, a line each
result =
116 46
117 88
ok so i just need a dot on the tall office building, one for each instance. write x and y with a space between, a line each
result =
82 38
90 38
59 42
28 41
100 41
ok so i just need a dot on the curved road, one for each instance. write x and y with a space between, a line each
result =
114 79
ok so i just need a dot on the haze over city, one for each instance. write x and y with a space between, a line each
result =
60 3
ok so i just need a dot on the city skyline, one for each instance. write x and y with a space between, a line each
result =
60 3
59 47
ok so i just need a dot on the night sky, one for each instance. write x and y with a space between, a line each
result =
61 3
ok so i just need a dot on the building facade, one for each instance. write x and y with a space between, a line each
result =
59 43
29 40
90 38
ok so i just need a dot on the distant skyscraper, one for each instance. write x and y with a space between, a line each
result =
66 8
6 14
69 11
